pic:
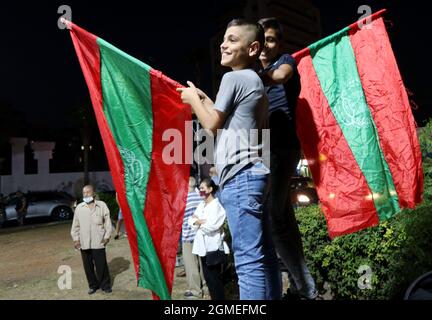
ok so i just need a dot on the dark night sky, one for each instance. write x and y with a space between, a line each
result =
40 74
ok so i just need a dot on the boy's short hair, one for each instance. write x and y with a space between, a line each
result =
272 23
256 28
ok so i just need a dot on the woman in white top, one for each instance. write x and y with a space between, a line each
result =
209 243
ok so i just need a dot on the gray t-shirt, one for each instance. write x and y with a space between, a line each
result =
242 141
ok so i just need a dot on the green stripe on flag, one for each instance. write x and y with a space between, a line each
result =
336 68
127 104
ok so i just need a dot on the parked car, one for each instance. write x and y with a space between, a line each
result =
303 192
56 205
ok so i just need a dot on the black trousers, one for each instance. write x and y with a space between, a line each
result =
213 277
96 258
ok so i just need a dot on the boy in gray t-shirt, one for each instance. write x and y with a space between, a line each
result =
241 97
239 116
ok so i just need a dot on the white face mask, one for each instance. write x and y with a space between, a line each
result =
88 199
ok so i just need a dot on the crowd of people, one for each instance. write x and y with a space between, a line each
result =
259 93
251 194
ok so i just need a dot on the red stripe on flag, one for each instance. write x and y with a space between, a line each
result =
388 101
88 54
168 183
340 184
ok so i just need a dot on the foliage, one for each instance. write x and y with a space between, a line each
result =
397 252
425 138
110 199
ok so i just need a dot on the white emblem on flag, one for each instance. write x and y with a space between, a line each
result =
134 169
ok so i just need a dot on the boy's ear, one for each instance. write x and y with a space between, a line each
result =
254 48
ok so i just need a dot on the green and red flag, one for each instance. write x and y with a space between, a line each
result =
134 106
356 128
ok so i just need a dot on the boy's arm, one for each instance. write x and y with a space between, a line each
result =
278 76
202 106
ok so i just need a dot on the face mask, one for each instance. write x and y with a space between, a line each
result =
88 199
203 194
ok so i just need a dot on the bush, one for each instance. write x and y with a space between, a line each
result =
397 252
110 200
425 139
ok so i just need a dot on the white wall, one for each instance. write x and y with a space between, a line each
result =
69 182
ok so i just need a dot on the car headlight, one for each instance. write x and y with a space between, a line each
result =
303 198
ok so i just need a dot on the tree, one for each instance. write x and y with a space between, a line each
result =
83 117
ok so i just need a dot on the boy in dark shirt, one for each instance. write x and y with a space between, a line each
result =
282 84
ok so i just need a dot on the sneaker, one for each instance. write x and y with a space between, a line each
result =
315 296
189 295
109 290
92 290
291 296
116 237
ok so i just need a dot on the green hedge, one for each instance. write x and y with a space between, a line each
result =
110 200
397 251
425 139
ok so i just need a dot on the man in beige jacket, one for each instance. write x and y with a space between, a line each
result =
91 231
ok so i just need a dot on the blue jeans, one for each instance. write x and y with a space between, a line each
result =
255 257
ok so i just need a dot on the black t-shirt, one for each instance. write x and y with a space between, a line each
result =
282 107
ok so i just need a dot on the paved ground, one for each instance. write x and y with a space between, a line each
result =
30 258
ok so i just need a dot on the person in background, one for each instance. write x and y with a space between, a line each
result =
192 264
91 231
209 243
21 208
119 223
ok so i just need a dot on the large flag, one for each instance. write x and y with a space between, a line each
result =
356 128
134 106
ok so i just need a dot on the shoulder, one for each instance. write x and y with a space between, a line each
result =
240 75
193 194
101 204
229 75
193 200
287 59
216 205
80 205
230 79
